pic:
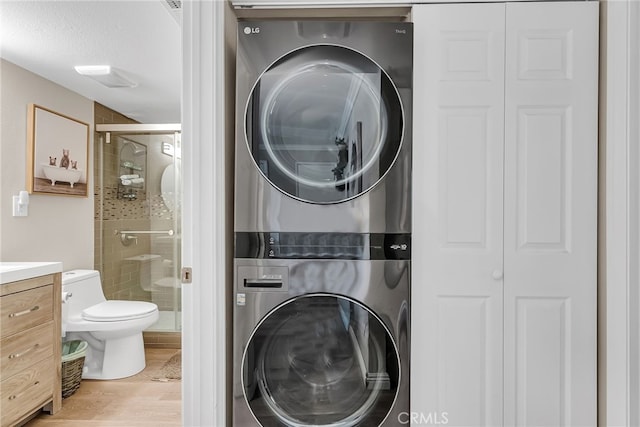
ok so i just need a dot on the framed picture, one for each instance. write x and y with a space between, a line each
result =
58 153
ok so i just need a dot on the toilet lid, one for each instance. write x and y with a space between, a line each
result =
112 311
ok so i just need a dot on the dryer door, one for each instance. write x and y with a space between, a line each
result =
321 360
324 124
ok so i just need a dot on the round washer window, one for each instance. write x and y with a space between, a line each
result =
321 360
324 124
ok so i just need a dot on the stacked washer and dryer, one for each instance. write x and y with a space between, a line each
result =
322 223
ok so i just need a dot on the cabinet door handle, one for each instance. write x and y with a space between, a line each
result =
16 355
15 396
497 274
22 313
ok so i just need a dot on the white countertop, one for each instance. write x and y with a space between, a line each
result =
14 271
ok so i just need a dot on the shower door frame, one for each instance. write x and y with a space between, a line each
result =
146 129
152 129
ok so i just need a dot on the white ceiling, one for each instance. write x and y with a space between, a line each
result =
141 39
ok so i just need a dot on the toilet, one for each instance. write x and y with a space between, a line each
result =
113 329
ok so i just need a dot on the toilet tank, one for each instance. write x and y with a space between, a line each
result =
85 288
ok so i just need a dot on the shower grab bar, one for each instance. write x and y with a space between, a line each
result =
169 232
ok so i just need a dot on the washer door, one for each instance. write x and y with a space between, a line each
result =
320 360
324 124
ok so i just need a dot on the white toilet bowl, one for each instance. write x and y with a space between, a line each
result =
113 329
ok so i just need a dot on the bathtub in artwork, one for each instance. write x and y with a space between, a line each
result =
58 174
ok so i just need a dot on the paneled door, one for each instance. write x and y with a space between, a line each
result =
504 279
550 214
458 180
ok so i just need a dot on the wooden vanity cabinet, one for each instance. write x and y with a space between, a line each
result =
30 349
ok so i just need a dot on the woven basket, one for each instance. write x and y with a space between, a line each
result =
71 376
73 362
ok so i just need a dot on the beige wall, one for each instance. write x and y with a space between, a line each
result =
58 228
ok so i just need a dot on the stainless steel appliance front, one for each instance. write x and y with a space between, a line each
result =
321 342
323 126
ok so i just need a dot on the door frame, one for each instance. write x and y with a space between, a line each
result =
205 215
205 65
619 234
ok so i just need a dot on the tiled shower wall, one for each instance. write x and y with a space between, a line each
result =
119 279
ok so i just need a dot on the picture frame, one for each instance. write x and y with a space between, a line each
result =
57 153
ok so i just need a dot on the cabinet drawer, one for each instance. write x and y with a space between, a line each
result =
19 351
24 310
26 391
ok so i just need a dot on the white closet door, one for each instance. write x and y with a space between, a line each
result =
457 222
550 214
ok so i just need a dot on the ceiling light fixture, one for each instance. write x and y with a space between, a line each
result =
106 75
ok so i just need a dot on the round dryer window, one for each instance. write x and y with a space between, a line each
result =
321 360
324 124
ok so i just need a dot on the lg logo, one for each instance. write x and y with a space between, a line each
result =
249 30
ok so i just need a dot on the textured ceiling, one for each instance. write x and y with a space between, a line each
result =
141 39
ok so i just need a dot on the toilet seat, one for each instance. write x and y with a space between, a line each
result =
114 311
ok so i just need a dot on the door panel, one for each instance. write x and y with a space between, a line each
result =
466 345
457 349
543 361
550 214
543 145
463 151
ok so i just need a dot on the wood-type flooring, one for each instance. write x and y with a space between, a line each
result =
144 400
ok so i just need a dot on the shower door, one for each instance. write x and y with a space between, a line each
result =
138 194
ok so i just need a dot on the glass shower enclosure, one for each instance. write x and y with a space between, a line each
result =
138 218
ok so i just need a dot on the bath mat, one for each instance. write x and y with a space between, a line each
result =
172 368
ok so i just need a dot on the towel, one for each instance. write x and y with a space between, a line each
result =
132 181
